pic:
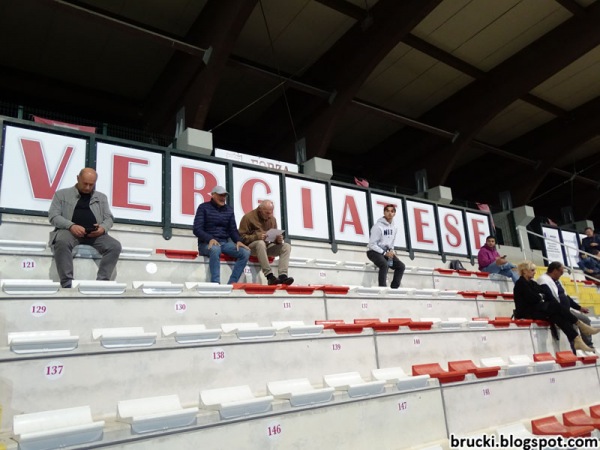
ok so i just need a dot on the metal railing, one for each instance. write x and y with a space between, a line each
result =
568 263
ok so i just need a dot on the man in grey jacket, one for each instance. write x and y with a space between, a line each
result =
381 248
81 215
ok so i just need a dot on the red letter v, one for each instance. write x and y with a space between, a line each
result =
38 172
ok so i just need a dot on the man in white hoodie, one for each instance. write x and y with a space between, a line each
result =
381 248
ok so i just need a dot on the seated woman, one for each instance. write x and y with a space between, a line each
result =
530 304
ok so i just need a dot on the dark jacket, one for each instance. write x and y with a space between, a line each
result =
587 241
528 299
215 222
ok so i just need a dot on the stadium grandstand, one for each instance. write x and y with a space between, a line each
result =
472 117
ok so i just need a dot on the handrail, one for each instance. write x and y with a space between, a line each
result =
570 268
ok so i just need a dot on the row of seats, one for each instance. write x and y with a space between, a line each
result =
375 295
136 259
299 347
91 287
494 366
71 426
575 424
22 342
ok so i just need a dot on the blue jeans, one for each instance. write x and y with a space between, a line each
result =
504 269
214 261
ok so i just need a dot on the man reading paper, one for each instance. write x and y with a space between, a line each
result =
259 232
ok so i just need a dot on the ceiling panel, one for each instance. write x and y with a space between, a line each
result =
514 121
575 84
513 30
46 39
410 82
484 33
589 149
301 30
359 130
244 94
434 85
461 24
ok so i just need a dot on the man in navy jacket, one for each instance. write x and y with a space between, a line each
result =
217 233
591 243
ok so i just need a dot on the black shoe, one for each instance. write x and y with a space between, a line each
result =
284 279
271 280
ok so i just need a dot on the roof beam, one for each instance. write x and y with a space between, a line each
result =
425 47
189 82
289 81
573 7
346 8
133 29
543 146
550 142
470 109
468 69
346 66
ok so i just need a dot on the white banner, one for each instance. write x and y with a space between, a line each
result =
350 217
36 164
552 244
266 163
572 247
452 230
132 180
191 183
478 228
250 188
306 204
422 226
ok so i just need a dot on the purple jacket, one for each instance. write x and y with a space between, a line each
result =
486 256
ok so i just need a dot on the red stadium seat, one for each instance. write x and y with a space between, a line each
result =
580 418
435 371
546 356
501 322
255 288
332 289
295 289
177 254
566 359
595 411
469 366
424 325
400 321
551 426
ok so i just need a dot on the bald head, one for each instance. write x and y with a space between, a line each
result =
86 180
265 209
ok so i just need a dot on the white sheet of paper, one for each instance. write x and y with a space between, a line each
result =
273 233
